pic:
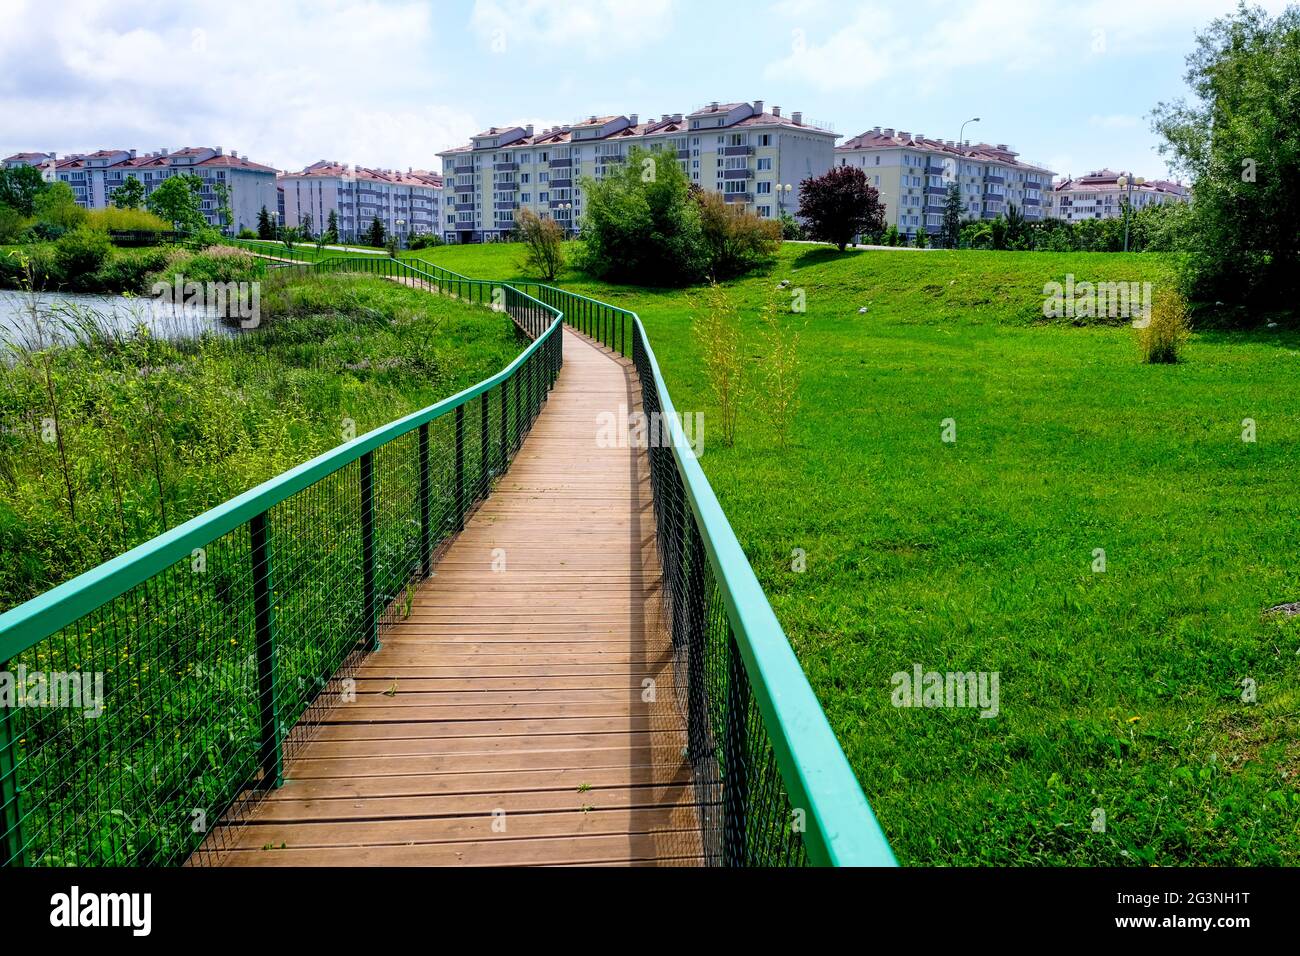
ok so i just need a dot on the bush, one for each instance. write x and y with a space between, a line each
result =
33 268
425 240
80 254
129 270
218 264
247 233
1163 334
12 225
113 219
736 241
840 205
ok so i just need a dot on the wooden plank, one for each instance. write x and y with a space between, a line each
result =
517 692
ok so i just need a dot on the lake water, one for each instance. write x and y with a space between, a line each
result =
52 316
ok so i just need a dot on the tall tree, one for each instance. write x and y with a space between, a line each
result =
840 205
20 186
177 200
332 226
375 234
225 215
544 241
129 195
950 235
1239 141
264 229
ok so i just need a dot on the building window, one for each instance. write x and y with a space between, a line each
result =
765 164
765 188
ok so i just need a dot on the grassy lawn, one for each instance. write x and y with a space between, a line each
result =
1121 691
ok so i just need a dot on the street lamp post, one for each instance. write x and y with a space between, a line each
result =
399 223
1127 183
782 194
961 137
568 208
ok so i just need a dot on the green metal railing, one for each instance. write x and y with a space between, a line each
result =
772 783
219 641
301 251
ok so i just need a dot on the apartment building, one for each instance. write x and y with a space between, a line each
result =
406 203
1099 195
94 176
913 173
43 161
737 149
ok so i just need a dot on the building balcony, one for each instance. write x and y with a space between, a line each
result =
683 154
505 167
737 174
936 190
463 168
506 187
995 179
1031 201
561 183
561 163
505 205
737 151
939 170
463 206
994 198
739 197
613 158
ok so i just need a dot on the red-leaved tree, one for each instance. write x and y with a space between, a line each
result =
841 205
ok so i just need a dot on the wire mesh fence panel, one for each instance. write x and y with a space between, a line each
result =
168 687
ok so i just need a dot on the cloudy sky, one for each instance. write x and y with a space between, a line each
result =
391 82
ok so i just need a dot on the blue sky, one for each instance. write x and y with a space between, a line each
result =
390 83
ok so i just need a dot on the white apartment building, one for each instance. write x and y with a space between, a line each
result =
406 203
913 173
1100 196
737 149
94 176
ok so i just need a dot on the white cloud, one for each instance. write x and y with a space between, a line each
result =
840 47
286 83
593 29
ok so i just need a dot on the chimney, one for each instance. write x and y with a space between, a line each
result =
758 107
776 111
796 118
889 132
634 119
528 130
714 106
677 117
219 151
132 152
876 130
162 151
592 118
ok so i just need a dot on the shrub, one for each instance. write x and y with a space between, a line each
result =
722 345
1161 337
247 233
80 254
426 240
544 241
113 219
12 225
736 241
57 208
129 270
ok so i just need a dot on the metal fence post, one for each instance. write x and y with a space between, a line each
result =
505 451
460 467
485 474
426 549
271 762
12 851
370 621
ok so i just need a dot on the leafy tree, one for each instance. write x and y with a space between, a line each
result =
264 229
79 255
306 225
950 234
840 205
642 225
791 228
129 195
375 234
736 241
890 237
12 225
998 233
544 241
1240 143
56 206
19 188
177 200
922 238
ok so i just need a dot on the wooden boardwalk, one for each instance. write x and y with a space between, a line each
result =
519 716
